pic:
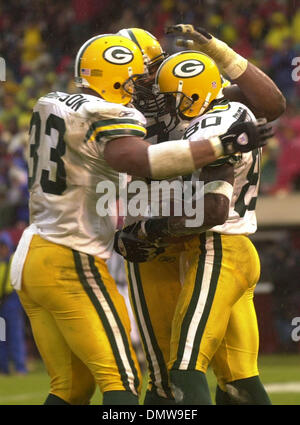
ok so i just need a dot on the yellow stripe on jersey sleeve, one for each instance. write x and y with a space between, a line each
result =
114 128
225 83
219 108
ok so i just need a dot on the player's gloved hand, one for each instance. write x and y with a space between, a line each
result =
134 248
229 62
195 38
246 136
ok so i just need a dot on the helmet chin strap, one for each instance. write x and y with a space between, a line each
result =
178 98
146 60
130 82
205 103
179 90
81 82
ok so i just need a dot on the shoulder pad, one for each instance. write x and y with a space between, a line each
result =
101 109
109 120
216 121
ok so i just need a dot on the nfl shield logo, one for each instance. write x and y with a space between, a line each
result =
242 139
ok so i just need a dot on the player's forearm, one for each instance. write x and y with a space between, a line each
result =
216 209
182 157
166 160
172 229
259 92
218 190
136 157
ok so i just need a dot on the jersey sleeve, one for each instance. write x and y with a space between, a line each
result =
225 82
109 121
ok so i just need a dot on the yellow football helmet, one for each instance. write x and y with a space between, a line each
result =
144 99
192 78
152 51
108 64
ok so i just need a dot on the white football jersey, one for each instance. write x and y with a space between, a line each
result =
161 129
68 133
242 216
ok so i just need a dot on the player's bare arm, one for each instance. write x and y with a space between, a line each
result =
216 199
137 157
218 186
131 155
144 240
257 91
251 86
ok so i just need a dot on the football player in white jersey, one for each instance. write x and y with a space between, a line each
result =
79 320
77 141
149 287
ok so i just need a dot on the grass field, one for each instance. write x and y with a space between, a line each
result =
279 373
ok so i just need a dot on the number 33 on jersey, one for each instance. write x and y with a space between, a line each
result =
68 134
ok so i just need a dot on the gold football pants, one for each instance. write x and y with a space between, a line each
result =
194 307
79 322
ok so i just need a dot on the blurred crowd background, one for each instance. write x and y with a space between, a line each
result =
39 40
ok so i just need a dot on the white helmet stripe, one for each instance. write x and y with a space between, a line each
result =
128 33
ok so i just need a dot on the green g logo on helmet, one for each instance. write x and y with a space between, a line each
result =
118 55
188 68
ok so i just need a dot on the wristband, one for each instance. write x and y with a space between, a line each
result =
172 158
220 187
217 146
233 64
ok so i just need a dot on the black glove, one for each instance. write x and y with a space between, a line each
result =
134 248
246 136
